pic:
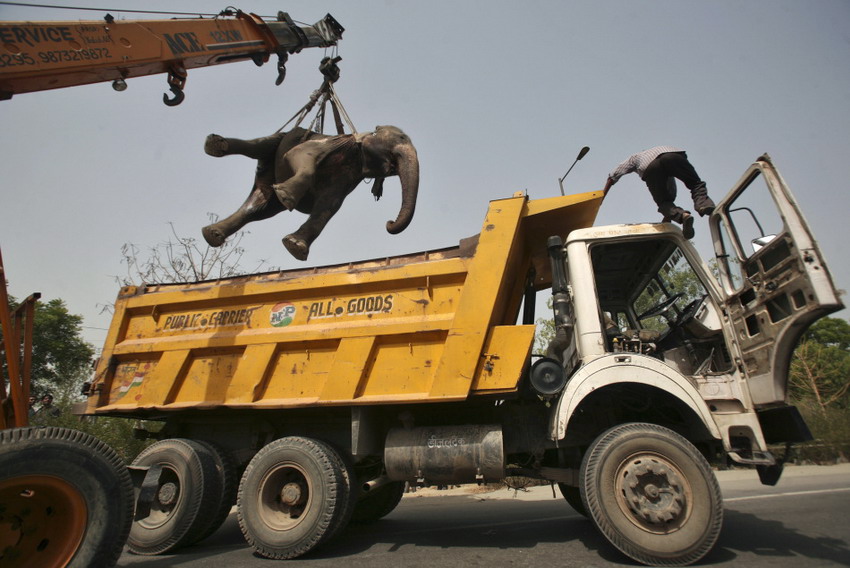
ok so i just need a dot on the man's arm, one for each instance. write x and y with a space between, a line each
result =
628 165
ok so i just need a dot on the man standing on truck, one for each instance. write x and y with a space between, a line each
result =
658 167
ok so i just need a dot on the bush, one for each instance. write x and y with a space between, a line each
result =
831 428
117 432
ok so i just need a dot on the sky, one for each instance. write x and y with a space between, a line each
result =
497 97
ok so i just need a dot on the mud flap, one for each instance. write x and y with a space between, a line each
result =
784 424
770 474
145 481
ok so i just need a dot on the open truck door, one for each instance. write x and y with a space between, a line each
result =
774 276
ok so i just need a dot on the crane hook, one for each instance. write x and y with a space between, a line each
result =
179 95
176 81
282 57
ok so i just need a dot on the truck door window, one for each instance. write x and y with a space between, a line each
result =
752 222
733 265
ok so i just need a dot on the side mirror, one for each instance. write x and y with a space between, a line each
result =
761 242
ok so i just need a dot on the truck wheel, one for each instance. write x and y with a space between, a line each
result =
573 496
188 495
652 494
378 503
291 497
226 472
347 497
66 499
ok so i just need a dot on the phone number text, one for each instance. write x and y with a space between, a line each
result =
54 56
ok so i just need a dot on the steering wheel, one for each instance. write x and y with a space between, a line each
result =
660 308
690 311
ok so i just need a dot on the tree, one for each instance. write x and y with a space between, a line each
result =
820 368
834 332
545 331
183 259
61 359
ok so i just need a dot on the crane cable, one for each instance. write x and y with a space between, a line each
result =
324 94
229 11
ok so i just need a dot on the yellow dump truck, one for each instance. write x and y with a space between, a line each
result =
310 397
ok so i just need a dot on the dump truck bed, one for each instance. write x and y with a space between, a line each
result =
425 327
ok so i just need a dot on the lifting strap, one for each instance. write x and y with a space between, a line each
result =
324 94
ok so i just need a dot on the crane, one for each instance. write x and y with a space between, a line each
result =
53 478
38 56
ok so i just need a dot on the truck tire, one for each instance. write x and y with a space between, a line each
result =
349 492
226 472
292 496
572 495
652 494
66 499
188 495
378 503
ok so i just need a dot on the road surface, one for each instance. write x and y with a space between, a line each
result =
804 521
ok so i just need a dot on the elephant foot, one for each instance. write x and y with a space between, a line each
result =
296 247
216 145
285 196
213 236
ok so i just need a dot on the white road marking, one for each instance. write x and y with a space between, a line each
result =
788 494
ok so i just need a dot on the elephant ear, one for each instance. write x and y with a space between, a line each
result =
378 188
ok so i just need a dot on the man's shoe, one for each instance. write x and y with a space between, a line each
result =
705 210
688 226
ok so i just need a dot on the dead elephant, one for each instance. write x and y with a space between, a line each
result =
313 173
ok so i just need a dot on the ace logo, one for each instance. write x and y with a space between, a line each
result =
282 314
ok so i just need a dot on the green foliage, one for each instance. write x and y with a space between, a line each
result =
61 359
545 332
819 384
833 332
831 428
117 432
820 369
61 362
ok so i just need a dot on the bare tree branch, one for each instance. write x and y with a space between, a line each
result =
184 259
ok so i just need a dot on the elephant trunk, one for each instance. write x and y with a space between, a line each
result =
408 173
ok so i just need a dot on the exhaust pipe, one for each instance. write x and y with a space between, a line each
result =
373 484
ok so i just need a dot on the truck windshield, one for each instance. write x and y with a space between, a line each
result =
676 285
652 301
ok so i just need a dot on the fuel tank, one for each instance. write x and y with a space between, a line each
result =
451 454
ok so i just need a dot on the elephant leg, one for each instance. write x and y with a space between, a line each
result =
260 204
257 148
298 170
298 243
290 192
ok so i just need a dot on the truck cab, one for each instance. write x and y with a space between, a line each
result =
718 337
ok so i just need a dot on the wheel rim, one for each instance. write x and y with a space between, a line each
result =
166 500
653 493
284 497
42 521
